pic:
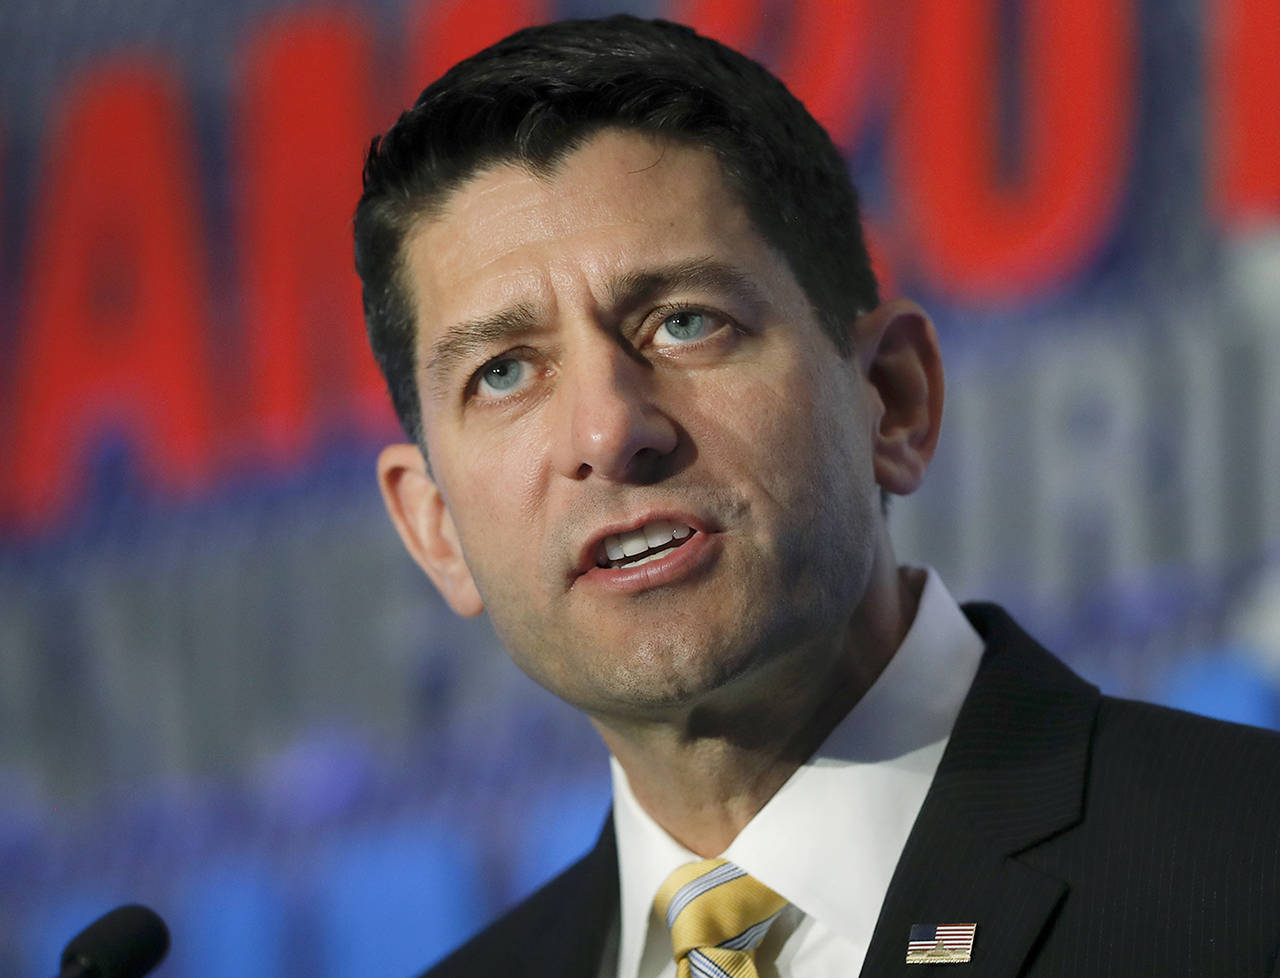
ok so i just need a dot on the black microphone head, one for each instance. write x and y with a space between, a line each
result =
125 943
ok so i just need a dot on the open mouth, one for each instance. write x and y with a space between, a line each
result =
641 545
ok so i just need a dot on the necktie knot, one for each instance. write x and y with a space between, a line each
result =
717 914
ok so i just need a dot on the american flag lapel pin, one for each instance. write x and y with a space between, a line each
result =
940 943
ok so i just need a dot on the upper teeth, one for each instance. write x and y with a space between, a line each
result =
651 535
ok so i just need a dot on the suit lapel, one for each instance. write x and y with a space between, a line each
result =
573 946
1012 775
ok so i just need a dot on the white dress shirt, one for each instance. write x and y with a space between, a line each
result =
829 839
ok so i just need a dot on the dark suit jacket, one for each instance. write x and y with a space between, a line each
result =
1084 835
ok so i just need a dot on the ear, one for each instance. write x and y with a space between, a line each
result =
425 526
898 349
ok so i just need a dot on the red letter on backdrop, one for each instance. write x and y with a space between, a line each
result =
1245 86
115 331
828 63
304 124
443 32
736 23
974 235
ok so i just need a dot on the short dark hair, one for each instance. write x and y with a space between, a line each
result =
542 92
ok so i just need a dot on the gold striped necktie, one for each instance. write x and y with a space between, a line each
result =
717 914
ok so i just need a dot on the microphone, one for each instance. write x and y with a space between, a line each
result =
127 942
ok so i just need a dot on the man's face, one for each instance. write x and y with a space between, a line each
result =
651 463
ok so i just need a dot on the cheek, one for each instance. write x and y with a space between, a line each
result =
784 425
495 491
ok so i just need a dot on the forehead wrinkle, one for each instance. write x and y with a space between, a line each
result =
463 341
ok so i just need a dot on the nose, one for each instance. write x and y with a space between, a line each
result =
607 421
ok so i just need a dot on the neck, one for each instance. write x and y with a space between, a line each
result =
705 772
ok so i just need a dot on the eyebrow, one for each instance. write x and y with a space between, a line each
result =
463 341
634 288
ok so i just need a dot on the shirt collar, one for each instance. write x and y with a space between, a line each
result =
853 802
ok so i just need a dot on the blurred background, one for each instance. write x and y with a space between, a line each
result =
224 689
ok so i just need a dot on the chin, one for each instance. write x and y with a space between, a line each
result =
665 675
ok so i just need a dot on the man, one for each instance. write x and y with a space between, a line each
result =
614 275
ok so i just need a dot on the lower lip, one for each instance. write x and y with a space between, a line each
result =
674 565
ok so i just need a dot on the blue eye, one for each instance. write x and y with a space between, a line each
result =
685 327
501 376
